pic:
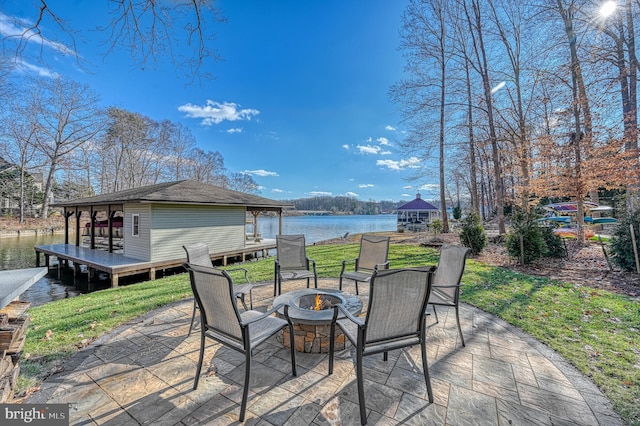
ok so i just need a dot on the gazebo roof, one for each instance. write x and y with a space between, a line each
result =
180 192
418 204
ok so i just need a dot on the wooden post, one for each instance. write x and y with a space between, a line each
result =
635 248
606 256
78 215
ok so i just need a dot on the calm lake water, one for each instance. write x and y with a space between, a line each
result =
18 253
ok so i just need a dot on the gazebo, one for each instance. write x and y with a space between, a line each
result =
416 214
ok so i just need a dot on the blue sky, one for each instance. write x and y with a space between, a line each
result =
300 99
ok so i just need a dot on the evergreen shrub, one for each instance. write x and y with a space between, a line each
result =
473 234
554 243
621 242
436 226
525 228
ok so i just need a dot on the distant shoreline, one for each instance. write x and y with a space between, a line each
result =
30 232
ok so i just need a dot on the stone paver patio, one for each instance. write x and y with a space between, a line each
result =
142 373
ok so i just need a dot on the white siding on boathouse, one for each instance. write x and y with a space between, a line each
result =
137 247
222 228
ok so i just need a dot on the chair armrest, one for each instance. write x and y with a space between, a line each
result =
341 308
263 316
245 270
447 286
345 262
384 265
312 262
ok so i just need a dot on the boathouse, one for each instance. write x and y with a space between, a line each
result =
154 222
416 215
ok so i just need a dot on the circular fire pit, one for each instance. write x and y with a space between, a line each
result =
311 325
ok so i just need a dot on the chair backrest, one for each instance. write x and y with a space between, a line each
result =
450 269
198 254
397 304
213 290
291 251
374 250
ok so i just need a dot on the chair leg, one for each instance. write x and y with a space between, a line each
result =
292 344
332 346
435 313
308 282
360 379
425 369
459 328
357 288
245 391
315 280
193 317
385 356
251 299
199 369
340 283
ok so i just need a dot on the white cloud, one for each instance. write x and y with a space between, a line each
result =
390 128
385 152
319 193
383 141
498 86
368 149
411 163
351 194
407 187
345 146
366 185
276 190
41 71
235 130
430 187
215 112
260 173
406 195
19 30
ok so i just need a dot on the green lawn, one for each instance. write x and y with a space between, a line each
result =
596 330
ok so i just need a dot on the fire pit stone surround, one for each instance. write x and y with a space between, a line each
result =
312 327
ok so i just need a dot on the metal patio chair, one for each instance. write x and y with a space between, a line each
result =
374 252
445 289
292 262
222 321
198 254
395 319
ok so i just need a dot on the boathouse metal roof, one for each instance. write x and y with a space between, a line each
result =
180 192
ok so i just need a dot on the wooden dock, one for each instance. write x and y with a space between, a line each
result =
118 265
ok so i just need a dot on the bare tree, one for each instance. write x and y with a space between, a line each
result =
621 54
66 117
181 143
475 20
18 138
242 182
149 30
207 167
424 41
